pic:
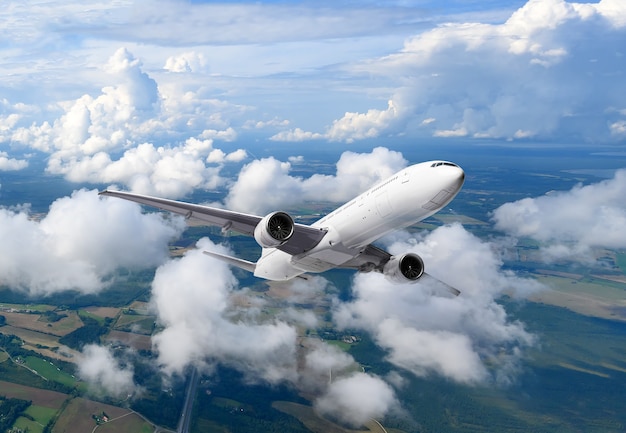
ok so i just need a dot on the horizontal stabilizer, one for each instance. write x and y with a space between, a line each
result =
240 263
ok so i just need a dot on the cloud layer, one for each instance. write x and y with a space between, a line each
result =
102 370
457 338
570 223
80 243
538 74
266 184
145 111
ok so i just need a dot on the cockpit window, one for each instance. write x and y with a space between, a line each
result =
438 164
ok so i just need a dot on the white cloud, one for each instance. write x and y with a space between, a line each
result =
352 126
356 126
11 164
98 367
227 135
570 223
357 399
486 73
469 338
80 242
186 62
192 297
265 184
530 73
107 138
296 135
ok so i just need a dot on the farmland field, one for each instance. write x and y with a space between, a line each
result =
137 341
77 416
33 322
39 397
41 416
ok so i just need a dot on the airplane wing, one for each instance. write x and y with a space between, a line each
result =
373 259
303 239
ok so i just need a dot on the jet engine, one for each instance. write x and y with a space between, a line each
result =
407 268
274 230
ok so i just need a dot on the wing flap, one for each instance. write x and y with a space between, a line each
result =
303 239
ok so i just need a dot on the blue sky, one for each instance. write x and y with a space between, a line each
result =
292 70
86 83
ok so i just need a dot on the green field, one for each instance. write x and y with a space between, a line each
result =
143 324
21 307
40 418
49 371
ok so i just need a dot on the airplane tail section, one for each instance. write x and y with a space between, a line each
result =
240 263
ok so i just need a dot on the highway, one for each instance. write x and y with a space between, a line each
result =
185 416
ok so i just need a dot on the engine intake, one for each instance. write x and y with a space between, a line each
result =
274 230
407 268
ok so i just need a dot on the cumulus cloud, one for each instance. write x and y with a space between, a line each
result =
469 338
352 126
524 78
109 138
98 367
297 134
192 297
11 164
265 184
521 76
186 62
357 399
570 223
80 242
198 304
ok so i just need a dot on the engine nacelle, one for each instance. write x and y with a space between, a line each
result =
274 230
407 268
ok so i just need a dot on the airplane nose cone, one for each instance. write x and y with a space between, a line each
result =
460 177
456 177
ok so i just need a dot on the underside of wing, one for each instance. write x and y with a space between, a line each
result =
303 239
406 268
371 259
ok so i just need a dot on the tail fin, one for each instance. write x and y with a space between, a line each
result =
240 263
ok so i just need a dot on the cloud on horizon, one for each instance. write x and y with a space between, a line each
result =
529 77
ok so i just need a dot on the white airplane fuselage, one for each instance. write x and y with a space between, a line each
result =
405 198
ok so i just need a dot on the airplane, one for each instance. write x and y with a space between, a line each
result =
341 239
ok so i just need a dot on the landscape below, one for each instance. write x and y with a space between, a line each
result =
571 380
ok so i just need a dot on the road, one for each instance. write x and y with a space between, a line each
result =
185 416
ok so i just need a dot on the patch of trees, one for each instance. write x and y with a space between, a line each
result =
3 320
164 408
52 316
10 410
90 333
13 346
255 413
